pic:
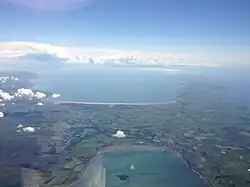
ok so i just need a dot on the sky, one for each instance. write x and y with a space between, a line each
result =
210 26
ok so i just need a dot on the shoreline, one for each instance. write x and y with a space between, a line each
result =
185 161
114 103
128 147
166 150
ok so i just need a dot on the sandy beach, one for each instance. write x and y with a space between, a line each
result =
129 148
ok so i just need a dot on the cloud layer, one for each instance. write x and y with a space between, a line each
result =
53 56
73 55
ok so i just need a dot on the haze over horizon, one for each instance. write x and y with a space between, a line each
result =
210 33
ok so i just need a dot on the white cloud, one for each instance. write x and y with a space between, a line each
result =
21 93
5 79
16 52
40 104
1 114
40 95
119 134
55 95
132 167
19 126
28 93
29 129
72 55
5 96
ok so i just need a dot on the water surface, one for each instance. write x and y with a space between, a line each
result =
113 85
137 85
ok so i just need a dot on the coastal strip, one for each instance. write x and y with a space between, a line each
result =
114 103
186 162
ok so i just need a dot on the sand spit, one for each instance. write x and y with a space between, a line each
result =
114 103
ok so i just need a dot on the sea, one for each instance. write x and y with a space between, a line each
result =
141 85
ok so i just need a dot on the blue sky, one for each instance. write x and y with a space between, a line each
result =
210 25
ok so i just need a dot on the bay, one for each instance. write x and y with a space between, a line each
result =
148 168
142 85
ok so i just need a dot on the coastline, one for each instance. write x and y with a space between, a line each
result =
185 161
129 147
114 103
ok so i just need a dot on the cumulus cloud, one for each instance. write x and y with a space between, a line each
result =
5 79
119 134
28 93
29 129
55 95
40 104
20 126
40 95
1 114
5 96
132 167
22 93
